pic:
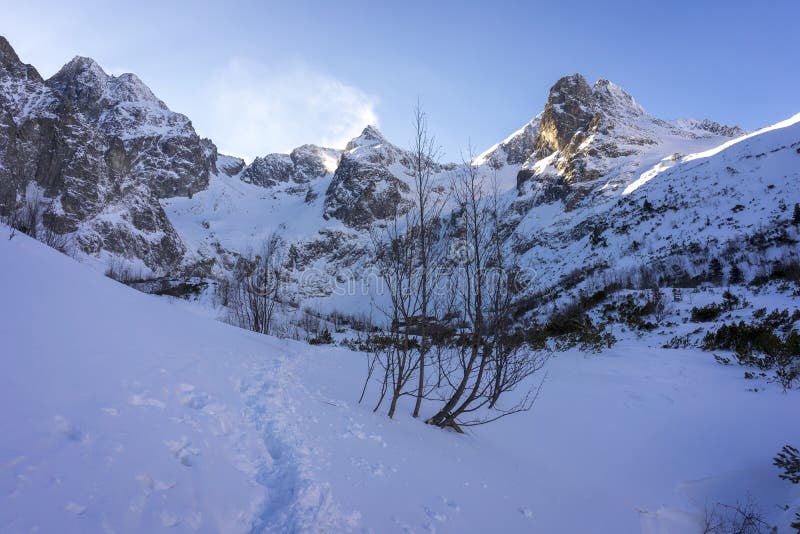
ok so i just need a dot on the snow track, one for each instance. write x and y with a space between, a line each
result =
296 501
124 413
130 415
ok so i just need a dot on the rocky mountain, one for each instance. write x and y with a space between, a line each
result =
125 180
368 183
305 164
92 154
589 134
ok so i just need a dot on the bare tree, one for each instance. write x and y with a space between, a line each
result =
740 518
424 153
255 287
395 256
488 358
407 262
31 213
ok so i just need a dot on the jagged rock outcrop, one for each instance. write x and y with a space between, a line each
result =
568 112
161 146
101 150
365 188
586 133
303 165
515 149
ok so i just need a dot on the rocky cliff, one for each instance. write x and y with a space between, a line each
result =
101 151
123 178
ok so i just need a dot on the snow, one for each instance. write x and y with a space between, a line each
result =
665 163
240 216
123 412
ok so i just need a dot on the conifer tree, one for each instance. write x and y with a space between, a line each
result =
715 270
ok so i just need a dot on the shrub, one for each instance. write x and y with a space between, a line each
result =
789 461
705 314
325 338
715 271
768 344
184 289
568 328
788 271
735 276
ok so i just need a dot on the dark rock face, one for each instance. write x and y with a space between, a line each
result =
269 170
362 192
303 165
370 183
161 146
520 147
102 150
569 109
720 129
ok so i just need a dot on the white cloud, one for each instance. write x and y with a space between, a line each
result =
251 109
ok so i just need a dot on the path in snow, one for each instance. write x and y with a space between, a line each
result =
124 413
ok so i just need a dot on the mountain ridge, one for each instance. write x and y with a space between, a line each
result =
126 180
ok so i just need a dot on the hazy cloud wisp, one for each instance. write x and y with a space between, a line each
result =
252 109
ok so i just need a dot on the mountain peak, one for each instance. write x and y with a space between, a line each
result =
569 108
81 64
9 61
130 88
7 54
82 79
372 133
370 136
614 100
573 86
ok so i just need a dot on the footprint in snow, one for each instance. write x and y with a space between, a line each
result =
194 520
142 400
451 504
150 485
182 451
169 520
438 516
191 398
65 427
75 508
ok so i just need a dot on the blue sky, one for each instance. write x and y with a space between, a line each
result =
259 77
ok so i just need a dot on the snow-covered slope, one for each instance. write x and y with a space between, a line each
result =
125 413
733 202
121 179
574 182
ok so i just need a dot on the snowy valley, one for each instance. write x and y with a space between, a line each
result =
656 289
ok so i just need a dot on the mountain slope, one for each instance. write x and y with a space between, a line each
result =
733 202
130 414
119 179
89 155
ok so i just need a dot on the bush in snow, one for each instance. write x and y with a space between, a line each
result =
770 343
789 461
325 338
735 275
715 271
705 314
